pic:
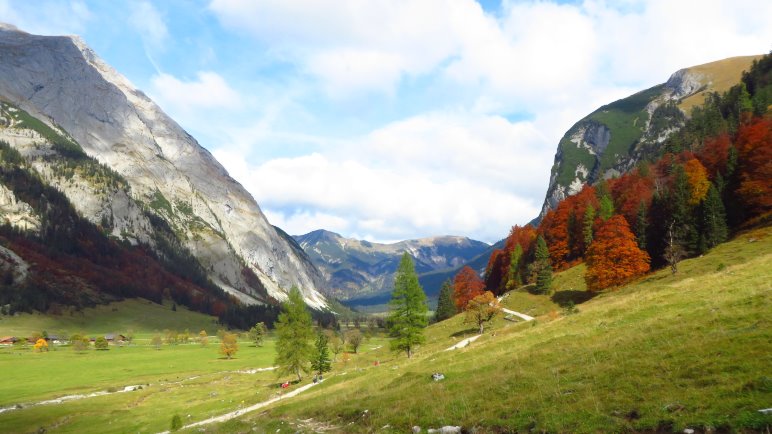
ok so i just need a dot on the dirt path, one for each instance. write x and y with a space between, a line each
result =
234 414
517 314
463 343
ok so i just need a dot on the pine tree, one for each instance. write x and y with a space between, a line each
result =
445 306
713 220
589 220
294 330
544 268
407 318
320 358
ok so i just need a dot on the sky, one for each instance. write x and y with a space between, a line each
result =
395 119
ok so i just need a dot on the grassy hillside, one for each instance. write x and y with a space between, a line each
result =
139 315
664 353
721 75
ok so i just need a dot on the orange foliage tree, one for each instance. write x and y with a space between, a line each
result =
754 147
466 286
697 176
629 191
481 309
41 345
614 257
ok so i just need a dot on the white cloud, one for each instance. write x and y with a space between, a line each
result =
209 90
46 17
147 21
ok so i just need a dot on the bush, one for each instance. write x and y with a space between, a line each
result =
101 343
176 422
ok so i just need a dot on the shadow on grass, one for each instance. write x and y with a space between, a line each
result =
565 298
469 331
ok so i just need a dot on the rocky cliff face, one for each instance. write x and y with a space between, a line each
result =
614 138
357 268
64 84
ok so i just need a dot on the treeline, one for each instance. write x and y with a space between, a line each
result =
711 178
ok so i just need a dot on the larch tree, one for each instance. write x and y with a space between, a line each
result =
543 266
587 223
294 332
514 279
614 257
445 306
407 318
466 286
482 309
229 344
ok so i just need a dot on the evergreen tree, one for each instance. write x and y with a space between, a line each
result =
589 220
641 226
320 358
606 207
544 267
445 306
294 330
713 221
408 309
515 258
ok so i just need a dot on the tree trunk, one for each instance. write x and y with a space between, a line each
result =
297 372
481 328
409 352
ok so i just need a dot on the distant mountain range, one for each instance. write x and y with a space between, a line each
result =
361 272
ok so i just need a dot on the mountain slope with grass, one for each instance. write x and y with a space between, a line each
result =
663 354
614 138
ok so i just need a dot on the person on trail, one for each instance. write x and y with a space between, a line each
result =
285 385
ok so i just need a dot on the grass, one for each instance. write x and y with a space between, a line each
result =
139 315
721 75
664 353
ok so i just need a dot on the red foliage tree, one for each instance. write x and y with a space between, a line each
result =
754 147
496 271
714 155
628 191
614 257
466 286
554 229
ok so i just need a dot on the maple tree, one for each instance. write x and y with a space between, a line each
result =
481 309
614 257
466 286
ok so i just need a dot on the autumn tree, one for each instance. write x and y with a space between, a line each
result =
335 342
229 344
542 267
203 338
41 345
588 221
101 343
156 341
320 358
514 278
606 208
614 257
697 176
294 331
481 309
754 146
445 306
466 286
407 318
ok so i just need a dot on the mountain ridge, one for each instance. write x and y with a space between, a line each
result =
62 82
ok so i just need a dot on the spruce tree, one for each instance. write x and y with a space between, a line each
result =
445 306
320 358
713 228
407 318
544 267
641 226
294 331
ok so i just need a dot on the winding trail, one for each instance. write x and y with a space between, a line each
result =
234 414
463 343
517 314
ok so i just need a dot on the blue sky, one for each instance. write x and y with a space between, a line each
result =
389 119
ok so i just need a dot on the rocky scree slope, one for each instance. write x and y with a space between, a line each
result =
613 139
357 268
63 84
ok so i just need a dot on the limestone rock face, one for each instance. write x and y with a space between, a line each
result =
64 83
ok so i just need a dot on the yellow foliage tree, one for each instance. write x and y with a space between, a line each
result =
481 309
697 176
41 345
228 345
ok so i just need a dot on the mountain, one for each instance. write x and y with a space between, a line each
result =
614 138
358 269
62 99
